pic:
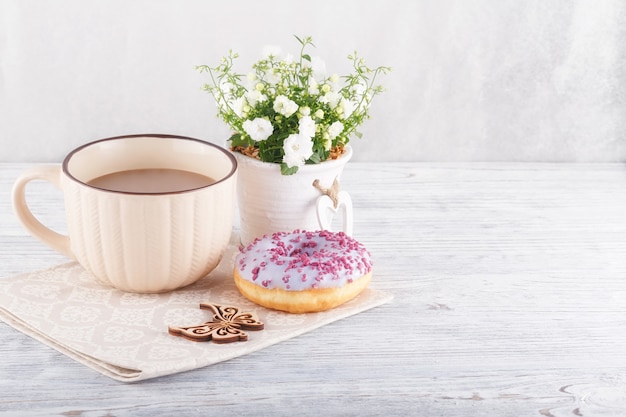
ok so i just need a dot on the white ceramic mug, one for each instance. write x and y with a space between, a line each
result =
271 202
138 241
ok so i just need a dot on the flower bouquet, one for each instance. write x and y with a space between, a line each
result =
287 110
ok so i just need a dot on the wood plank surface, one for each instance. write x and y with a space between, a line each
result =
510 300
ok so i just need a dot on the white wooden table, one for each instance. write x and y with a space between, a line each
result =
510 300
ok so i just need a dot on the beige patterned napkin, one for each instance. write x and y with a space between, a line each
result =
125 335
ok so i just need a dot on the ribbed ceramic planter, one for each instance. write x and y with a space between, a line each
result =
271 202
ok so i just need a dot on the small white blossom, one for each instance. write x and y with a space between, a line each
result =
297 149
271 51
334 82
273 76
359 88
331 98
307 127
226 87
347 107
259 129
313 87
254 97
284 106
318 66
335 129
238 106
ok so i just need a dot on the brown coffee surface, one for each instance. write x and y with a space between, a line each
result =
151 180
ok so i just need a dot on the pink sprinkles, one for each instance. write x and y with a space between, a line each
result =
303 260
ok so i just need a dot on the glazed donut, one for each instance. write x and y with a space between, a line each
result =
302 271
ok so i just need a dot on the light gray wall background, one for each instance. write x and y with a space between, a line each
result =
475 80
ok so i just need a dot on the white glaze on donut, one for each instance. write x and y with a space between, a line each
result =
303 260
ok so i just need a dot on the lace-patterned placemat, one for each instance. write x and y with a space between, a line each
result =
125 335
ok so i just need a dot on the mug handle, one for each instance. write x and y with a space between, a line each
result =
325 206
50 173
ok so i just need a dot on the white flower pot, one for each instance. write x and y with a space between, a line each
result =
271 202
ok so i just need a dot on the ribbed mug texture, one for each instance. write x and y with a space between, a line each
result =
149 243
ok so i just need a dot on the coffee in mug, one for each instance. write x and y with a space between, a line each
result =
145 213
153 180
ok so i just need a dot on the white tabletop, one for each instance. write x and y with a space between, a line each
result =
510 300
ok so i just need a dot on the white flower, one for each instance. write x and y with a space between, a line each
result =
331 98
258 129
271 51
297 149
284 106
335 129
307 127
226 87
346 107
238 105
255 96
273 76
313 86
318 66
359 88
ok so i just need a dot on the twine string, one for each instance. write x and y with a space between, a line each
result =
332 192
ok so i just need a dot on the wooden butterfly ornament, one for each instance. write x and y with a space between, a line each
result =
227 325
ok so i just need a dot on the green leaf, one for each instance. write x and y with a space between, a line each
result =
285 170
307 57
315 158
238 140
